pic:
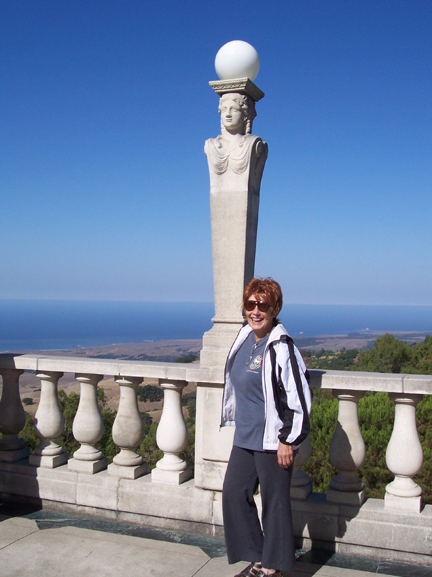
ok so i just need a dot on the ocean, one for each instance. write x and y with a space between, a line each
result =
56 325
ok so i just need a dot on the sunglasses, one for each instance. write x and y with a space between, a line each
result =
262 306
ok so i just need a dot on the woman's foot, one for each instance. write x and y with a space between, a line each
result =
268 573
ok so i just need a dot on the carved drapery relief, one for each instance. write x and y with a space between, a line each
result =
220 157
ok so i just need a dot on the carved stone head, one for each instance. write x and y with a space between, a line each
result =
237 113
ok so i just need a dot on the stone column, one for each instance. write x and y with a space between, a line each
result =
172 437
128 432
88 428
236 162
301 485
12 418
49 424
404 455
347 452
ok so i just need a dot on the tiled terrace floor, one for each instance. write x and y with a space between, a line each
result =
49 544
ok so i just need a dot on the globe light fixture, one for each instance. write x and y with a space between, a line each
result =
237 59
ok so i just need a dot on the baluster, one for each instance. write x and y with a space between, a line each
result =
301 485
88 428
347 452
171 437
404 455
128 432
49 424
12 418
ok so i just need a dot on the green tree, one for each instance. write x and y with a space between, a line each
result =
389 355
69 406
28 434
189 401
342 360
424 428
188 454
376 417
150 393
421 358
149 449
323 423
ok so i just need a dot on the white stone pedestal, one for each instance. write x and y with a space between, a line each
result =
302 492
218 341
236 160
170 477
127 472
354 498
14 455
90 467
413 504
48 461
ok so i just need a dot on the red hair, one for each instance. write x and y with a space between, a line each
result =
267 290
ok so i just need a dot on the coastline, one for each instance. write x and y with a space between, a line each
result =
170 350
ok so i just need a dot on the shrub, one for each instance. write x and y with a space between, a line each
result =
323 423
187 359
150 393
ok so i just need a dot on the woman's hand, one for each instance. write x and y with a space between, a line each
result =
285 455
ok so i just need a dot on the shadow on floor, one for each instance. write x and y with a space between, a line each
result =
212 546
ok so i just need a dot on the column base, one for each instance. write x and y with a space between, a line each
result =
302 492
353 498
14 455
170 477
413 504
127 472
89 467
217 343
48 461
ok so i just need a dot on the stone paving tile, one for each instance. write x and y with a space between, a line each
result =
74 552
218 567
212 546
12 529
320 563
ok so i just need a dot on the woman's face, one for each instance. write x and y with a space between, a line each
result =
232 116
260 322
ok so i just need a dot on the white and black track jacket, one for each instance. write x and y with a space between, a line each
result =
287 399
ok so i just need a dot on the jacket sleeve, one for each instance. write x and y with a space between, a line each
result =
291 392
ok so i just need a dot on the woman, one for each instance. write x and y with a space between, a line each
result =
267 399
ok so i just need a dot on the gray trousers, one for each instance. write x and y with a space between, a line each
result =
273 545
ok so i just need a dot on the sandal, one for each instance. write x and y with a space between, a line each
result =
251 570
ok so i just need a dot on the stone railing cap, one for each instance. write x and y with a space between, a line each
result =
193 372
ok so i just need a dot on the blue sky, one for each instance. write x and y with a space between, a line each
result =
105 110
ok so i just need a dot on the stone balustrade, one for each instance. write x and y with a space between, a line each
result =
168 493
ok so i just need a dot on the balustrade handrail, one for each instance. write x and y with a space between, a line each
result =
325 379
347 449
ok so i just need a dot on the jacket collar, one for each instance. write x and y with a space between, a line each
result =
275 334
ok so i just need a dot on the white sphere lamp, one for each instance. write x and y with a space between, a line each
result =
237 59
